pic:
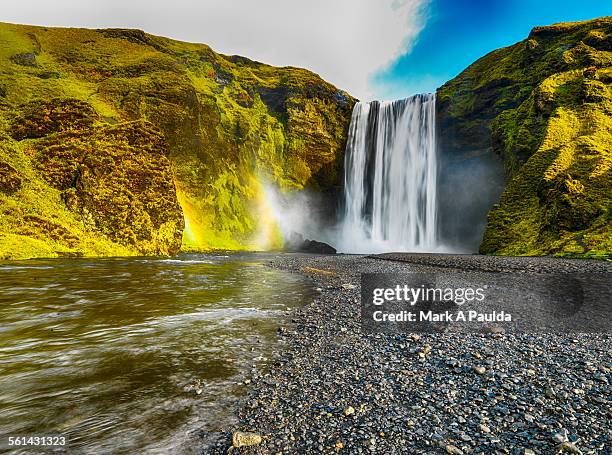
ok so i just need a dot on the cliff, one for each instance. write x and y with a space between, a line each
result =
544 105
116 142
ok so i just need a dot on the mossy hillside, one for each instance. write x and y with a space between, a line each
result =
226 123
34 220
545 106
85 190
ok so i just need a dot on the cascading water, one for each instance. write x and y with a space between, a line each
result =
390 177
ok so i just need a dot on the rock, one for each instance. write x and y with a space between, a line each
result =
339 445
479 370
559 438
348 286
425 351
298 244
25 59
349 411
244 439
568 447
483 428
527 452
196 387
453 450
494 330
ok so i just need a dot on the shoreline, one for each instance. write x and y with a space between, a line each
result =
333 389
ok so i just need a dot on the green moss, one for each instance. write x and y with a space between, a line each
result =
545 106
95 113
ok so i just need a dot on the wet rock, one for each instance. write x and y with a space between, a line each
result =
298 244
196 387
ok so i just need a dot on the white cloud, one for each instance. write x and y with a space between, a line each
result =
344 41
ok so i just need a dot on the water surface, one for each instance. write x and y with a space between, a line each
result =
103 350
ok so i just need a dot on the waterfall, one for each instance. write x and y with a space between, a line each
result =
390 177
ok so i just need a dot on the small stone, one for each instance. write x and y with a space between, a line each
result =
339 445
528 452
479 370
568 447
483 428
495 330
453 450
550 393
559 438
425 351
244 439
349 411
348 286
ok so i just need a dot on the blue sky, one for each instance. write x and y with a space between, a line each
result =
456 33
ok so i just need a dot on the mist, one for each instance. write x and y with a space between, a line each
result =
301 212
468 186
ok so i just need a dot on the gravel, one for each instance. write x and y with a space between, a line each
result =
334 389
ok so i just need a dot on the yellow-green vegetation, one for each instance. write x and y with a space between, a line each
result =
545 106
113 141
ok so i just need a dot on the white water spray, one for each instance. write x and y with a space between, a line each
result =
390 175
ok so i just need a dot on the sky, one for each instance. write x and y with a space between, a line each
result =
373 49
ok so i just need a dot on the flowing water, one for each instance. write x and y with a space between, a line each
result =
390 177
104 350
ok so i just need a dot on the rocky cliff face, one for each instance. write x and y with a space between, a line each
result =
543 105
117 142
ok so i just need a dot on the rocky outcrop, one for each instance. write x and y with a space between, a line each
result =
296 243
544 106
117 142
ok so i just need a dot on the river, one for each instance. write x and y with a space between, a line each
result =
113 352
